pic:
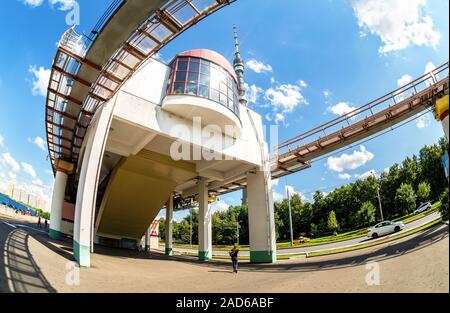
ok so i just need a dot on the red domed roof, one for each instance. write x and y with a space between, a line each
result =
211 56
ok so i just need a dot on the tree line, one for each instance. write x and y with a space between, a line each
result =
402 188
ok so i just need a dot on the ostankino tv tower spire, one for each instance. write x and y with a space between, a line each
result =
239 68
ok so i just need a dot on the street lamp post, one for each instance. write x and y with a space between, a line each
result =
379 198
290 217
190 224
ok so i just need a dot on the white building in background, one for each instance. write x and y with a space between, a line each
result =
31 199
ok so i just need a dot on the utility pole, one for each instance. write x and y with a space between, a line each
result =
237 231
190 224
379 198
290 217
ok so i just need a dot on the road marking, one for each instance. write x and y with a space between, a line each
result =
32 228
10 225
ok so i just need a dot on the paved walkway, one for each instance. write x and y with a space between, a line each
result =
35 263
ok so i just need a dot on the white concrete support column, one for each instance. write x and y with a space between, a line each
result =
147 239
204 222
169 223
59 190
94 148
261 217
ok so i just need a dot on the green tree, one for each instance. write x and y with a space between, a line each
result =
405 198
423 192
444 209
366 214
333 224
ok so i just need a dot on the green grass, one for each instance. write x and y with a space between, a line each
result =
326 239
362 246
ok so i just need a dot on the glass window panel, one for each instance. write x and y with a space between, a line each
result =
193 66
214 95
223 88
204 68
204 79
180 77
178 88
191 89
223 77
204 91
193 77
182 65
230 81
223 99
214 82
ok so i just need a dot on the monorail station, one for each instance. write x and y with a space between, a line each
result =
130 135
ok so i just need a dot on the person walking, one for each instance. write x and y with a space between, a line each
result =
234 257
46 224
39 222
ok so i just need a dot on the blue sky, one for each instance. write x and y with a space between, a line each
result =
305 60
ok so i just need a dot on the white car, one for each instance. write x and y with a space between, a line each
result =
385 228
422 208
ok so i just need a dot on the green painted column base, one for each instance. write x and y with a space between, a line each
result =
147 248
82 254
55 234
203 256
169 251
263 256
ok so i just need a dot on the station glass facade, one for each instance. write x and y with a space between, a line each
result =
202 78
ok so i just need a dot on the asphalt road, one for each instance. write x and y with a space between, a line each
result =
32 262
329 246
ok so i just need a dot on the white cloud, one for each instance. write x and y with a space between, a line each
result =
279 118
40 81
275 182
10 161
423 121
2 140
12 175
277 197
292 192
367 174
253 93
327 94
398 23
33 3
345 176
38 141
285 97
302 83
405 79
63 5
350 162
28 168
219 206
258 67
342 108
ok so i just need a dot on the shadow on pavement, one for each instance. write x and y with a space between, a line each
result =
18 269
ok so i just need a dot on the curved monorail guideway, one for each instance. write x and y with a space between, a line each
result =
112 109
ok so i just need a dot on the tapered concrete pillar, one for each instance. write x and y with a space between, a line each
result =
148 235
261 217
168 228
95 142
63 169
204 223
